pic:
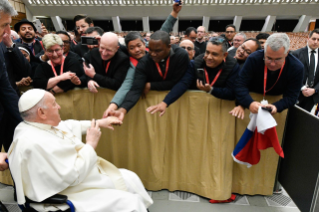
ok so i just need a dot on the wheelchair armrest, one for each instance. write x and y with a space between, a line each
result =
55 199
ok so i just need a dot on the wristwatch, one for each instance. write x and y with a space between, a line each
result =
10 49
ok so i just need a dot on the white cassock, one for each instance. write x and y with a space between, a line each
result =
46 160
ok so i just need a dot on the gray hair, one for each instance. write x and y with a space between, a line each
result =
50 40
278 40
31 114
241 34
6 8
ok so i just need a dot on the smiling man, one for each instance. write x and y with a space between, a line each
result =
272 71
220 70
107 64
160 70
27 31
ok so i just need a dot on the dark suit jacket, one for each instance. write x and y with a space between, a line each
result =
8 97
303 56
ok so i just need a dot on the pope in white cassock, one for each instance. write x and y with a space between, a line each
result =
47 157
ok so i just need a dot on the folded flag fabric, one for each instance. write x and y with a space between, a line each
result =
260 134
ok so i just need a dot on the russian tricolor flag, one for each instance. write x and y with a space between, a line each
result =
260 134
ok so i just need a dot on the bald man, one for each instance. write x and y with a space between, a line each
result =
107 65
189 47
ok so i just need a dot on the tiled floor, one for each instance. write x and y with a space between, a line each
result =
165 201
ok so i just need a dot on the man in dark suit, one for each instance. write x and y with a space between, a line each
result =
309 56
8 97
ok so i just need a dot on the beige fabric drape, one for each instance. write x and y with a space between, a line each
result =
188 149
260 178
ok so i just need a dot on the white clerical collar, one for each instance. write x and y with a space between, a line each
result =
39 125
310 50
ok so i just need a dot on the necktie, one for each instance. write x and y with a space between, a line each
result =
311 75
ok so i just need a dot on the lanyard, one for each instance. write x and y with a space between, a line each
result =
107 66
166 69
75 43
216 77
134 61
61 69
66 54
265 78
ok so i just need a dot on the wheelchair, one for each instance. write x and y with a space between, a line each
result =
55 199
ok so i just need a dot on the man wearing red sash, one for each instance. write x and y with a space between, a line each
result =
107 65
272 71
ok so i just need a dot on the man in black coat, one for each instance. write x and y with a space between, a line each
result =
8 97
309 57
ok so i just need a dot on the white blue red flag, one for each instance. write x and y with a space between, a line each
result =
260 134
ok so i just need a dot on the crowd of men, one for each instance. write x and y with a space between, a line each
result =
227 66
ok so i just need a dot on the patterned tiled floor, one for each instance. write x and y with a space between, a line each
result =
178 201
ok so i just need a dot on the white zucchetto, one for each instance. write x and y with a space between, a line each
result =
30 98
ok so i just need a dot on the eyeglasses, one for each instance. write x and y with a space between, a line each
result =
237 40
187 48
57 51
229 32
217 40
66 42
268 60
248 52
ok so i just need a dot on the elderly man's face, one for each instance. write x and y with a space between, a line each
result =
147 36
158 50
214 55
108 49
27 32
245 50
136 48
238 40
51 112
189 47
275 59
5 21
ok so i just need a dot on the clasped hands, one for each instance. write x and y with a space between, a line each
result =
70 76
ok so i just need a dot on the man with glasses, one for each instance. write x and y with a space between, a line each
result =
200 41
230 33
270 72
244 50
189 47
309 56
237 41
106 66
66 39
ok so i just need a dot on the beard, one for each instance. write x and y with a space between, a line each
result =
28 39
